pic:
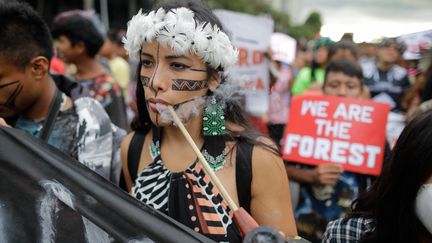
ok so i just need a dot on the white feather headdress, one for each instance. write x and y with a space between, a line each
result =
182 33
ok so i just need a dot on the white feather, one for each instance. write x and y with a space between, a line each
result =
181 32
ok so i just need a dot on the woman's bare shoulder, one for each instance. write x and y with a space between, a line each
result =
265 157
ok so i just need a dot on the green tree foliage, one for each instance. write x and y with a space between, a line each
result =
308 29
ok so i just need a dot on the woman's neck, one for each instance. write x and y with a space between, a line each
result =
176 153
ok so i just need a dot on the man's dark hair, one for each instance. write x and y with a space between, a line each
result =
115 36
343 45
23 34
346 66
78 27
400 46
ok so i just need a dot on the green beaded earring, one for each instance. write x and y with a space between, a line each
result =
213 119
214 130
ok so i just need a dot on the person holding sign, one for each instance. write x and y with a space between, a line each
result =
182 53
397 208
327 190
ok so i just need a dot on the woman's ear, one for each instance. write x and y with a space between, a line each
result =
214 81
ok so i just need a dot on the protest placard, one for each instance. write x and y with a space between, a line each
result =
251 36
283 48
416 43
337 130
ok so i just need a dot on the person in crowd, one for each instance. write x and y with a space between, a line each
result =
312 77
28 92
427 76
397 208
280 95
118 66
343 49
79 36
419 97
367 53
183 53
386 80
347 49
326 191
300 60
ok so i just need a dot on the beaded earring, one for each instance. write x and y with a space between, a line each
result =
213 119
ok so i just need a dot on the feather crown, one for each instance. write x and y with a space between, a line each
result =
180 31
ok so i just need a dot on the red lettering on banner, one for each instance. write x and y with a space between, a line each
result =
260 84
336 130
257 57
243 56
254 84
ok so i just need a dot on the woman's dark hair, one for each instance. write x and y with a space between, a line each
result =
234 111
391 200
321 42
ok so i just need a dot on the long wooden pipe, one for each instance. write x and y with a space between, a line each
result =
244 220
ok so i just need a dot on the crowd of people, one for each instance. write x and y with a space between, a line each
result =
106 99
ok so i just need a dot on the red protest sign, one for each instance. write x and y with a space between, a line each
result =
324 129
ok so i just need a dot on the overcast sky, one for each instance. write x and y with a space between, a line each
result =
370 19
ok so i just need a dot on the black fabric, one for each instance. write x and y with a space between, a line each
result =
35 176
52 114
276 132
117 110
427 90
134 154
243 167
244 174
64 84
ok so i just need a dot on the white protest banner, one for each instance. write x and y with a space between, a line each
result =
251 35
415 43
345 131
283 47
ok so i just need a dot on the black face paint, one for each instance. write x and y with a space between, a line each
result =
145 81
155 70
10 102
7 84
189 85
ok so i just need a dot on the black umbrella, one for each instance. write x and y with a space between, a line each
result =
46 196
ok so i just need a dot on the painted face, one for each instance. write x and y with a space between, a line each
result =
169 79
66 51
342 85
15 92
